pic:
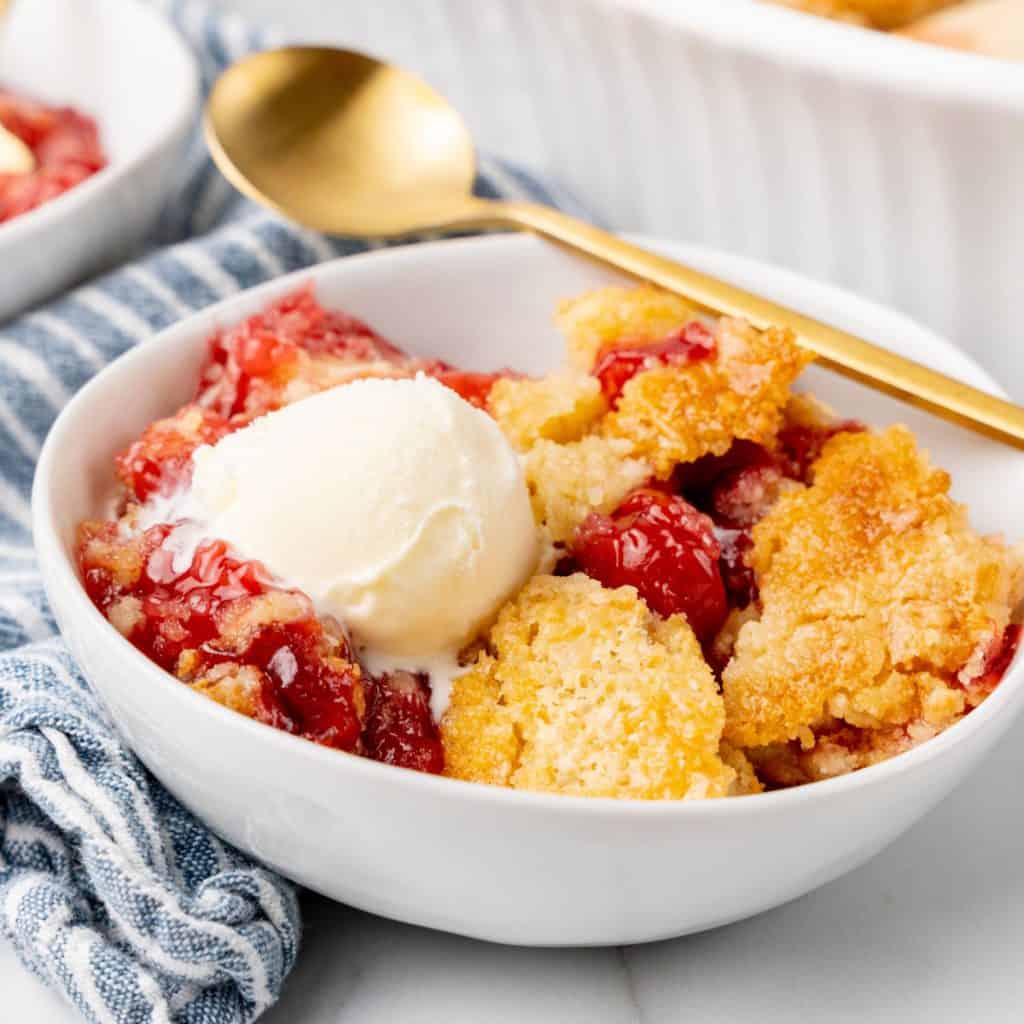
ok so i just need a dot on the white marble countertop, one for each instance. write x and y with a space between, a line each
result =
930 930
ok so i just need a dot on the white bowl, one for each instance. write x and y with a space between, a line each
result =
886 166
122 64
493 863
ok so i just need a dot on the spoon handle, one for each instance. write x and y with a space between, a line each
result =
837 349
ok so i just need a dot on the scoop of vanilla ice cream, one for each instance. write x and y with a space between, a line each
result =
395 505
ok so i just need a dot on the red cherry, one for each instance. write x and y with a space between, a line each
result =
400 728
664 547
801 445
239 375
742 496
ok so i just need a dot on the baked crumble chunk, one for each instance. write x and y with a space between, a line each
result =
991 28
739 589
583 690
879 609
883 14
672 414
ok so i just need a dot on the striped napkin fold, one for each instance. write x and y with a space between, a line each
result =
110 890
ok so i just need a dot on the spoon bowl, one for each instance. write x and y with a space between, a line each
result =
298 129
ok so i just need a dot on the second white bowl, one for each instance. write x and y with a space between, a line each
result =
122 64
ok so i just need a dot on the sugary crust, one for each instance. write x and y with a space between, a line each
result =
562 407
238 687
883 14
100 548
676 414
569 481
994 28
746 782
581 690
875 597
597 318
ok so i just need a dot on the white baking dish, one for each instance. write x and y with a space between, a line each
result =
890 167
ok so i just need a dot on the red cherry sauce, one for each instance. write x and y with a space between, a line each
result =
619 362
399 727
160 461
800 446
304 692
999 658
247 363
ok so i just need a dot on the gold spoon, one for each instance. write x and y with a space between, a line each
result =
347 145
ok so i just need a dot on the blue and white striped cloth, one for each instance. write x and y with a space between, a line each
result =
110 890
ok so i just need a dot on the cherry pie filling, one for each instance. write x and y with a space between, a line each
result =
682 543
64 143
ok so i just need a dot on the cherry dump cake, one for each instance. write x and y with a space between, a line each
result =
883 14
992 28
655 573
44 151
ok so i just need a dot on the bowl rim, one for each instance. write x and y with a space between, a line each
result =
176 124
58 571
860 54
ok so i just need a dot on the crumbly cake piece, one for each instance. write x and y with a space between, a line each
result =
582 690
616 314
237 687
805 410
883 14
837 10
994 28
879 605
569 481
561 407
676 414
746 782
837 749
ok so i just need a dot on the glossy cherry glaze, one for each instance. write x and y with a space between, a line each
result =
619 362
307 685
999 659
249 365
800 445
399 727
160 461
